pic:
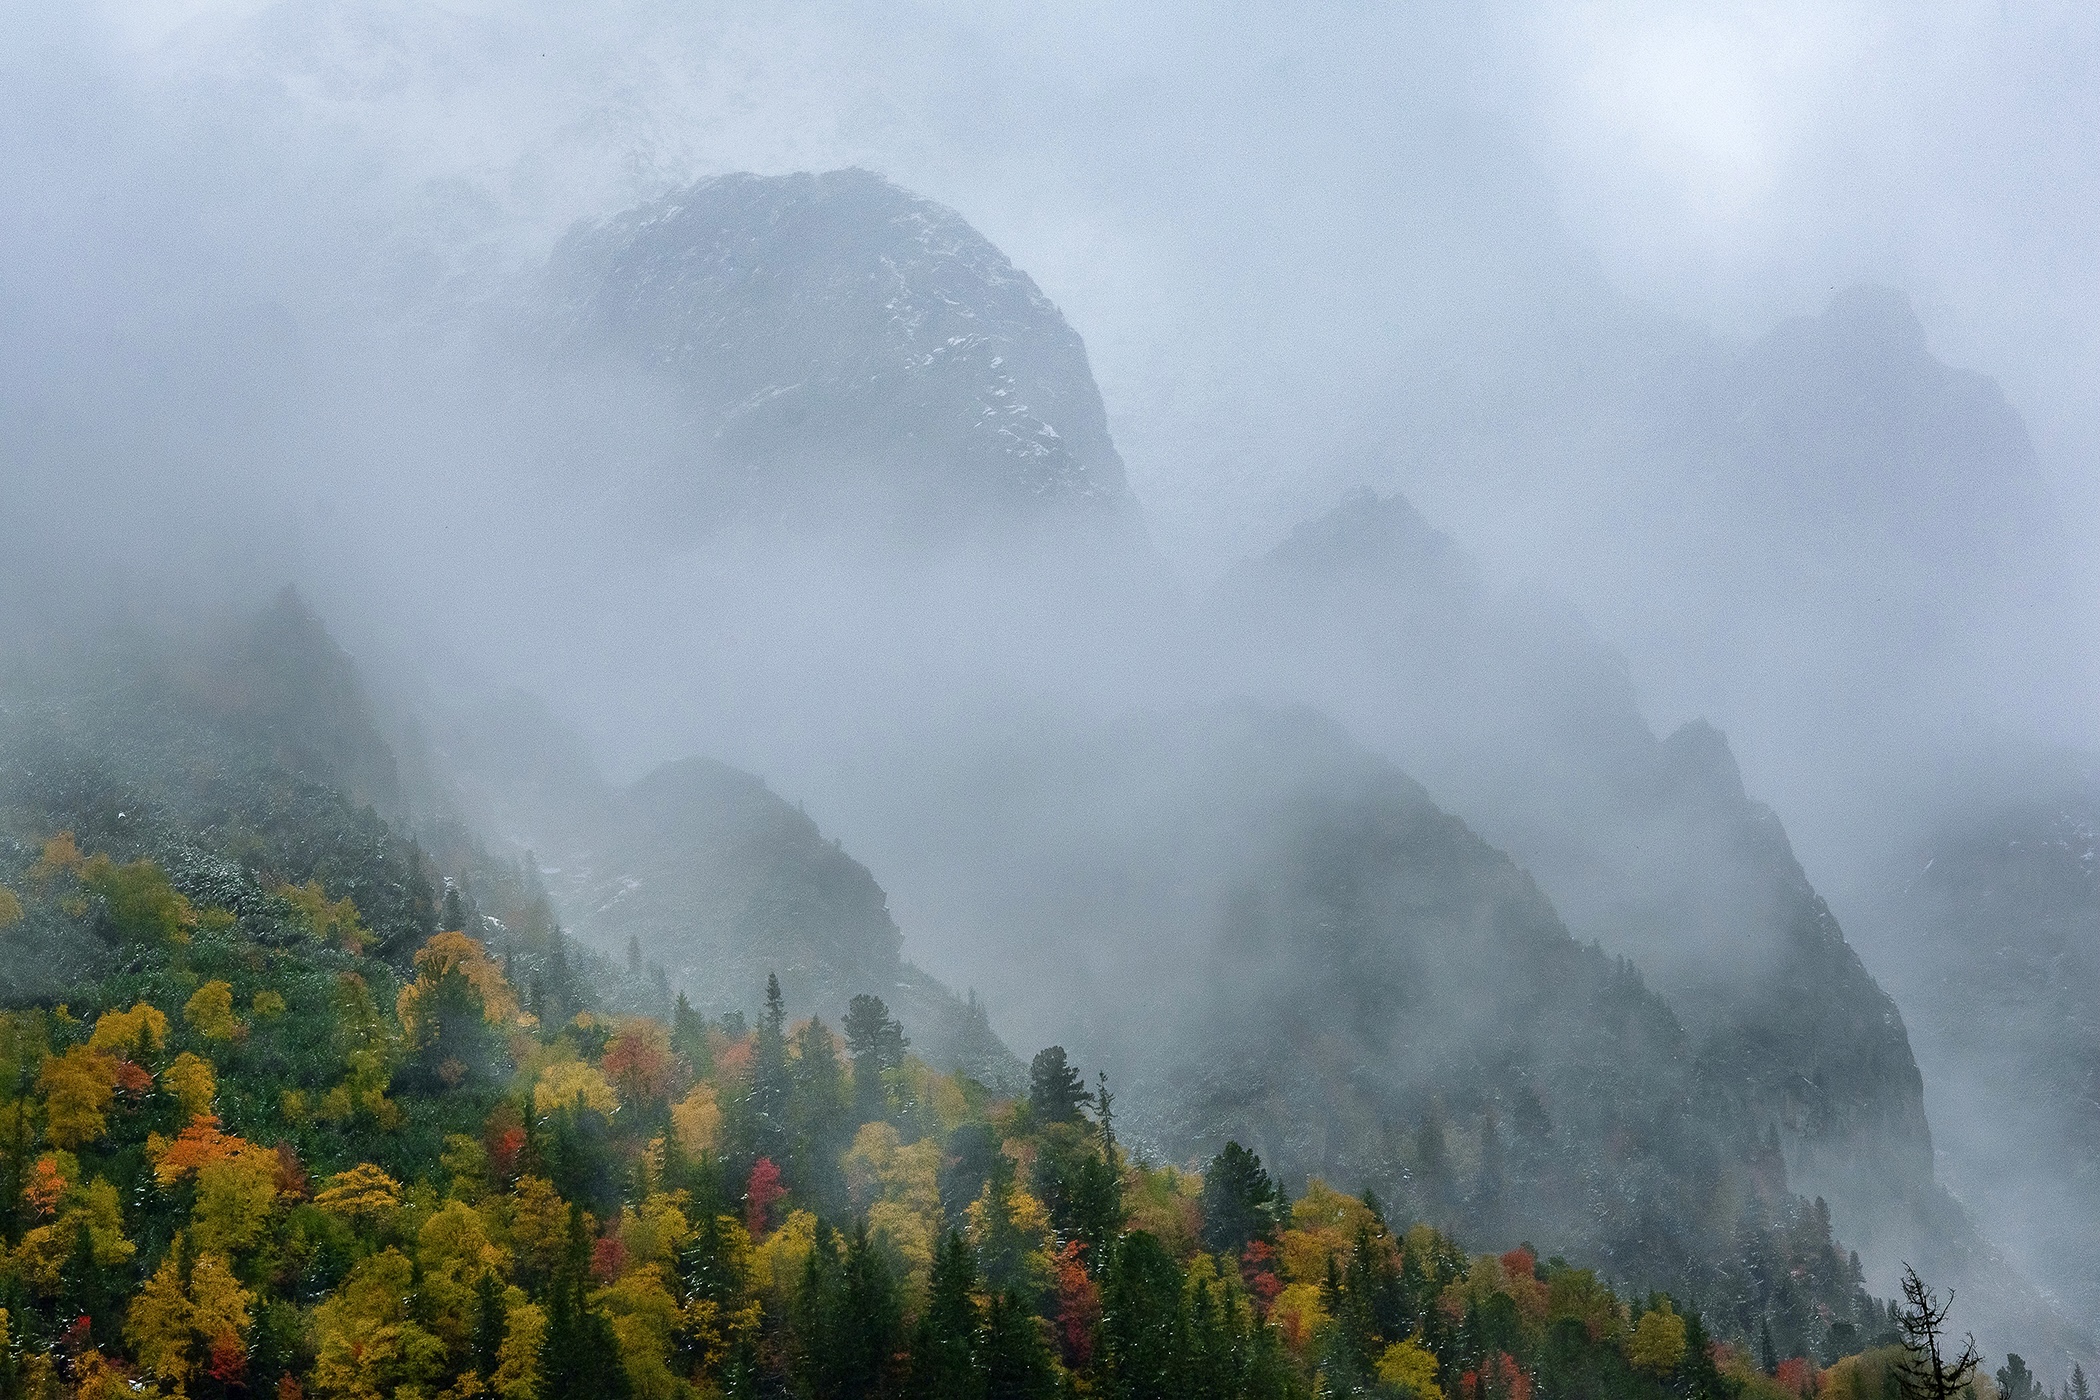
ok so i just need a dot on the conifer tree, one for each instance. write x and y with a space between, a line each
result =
1056 1093
1240 1202
770 1086
1016 1361
490 1323
1141 1322
945 1342
877 1042
1925 1373
580 1356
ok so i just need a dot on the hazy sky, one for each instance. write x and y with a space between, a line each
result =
1177 176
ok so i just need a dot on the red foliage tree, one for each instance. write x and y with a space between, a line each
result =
1078 1307
1258 1272
760 1193
503 1135
608 1258
1499 1378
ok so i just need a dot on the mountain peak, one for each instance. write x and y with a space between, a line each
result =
834 335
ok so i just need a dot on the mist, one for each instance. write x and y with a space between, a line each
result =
1668 435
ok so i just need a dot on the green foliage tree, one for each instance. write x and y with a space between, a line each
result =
1141 1322
2016 1382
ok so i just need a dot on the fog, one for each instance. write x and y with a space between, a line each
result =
1740 364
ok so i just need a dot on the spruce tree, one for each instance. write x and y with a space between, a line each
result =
945 1342
579 1356
770 1086
490 1323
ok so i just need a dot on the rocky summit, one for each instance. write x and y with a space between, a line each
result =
831 339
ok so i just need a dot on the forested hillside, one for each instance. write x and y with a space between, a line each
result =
259 1155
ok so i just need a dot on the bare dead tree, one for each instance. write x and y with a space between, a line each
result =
1925 1373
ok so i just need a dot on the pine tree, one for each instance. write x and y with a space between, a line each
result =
1056 1093
877 1042
2080 1389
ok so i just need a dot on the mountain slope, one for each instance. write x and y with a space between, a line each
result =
1998 904
709 873
1515 715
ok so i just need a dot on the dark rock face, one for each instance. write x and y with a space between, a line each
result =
834 342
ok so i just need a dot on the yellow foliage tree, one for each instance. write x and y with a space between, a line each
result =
455 1251
235 1194
539 1223
697 1120
448 953
1658 1341
210 1011
43 1251
61 855
167 1320
1410 1368
191 1080
143 1028
647 1320
337 922
561 1085
363 1195
78 1088
367 1345
10 908
655 1231
898 1189
518 1358
1575 1294
1298 1315
776 1265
